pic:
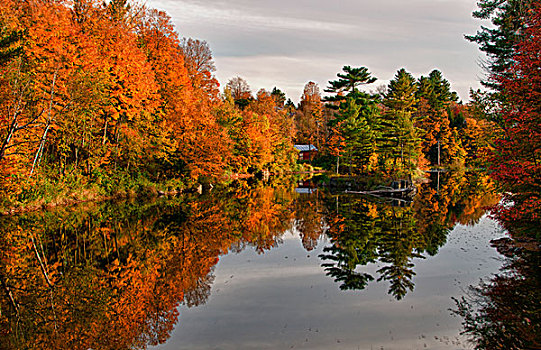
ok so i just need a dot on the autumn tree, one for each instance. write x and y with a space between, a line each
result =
441 141
200 65
37 105
309 117
515 161
191 141
97 89
107 93
240 91
10 48
10 42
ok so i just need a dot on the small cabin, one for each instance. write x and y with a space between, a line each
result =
306 152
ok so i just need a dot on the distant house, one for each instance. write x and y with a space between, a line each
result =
306 152
306 186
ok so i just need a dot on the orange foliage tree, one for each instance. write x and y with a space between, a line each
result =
104 91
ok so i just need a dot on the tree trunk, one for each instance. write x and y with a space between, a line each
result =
40 261
104 132
50 119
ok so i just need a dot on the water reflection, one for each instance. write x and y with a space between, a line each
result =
112 275
393 233
505 311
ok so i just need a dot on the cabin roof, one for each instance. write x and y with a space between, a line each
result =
305 148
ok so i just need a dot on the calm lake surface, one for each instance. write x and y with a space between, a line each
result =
260 265
283 300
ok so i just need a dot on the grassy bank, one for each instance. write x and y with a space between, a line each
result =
48 192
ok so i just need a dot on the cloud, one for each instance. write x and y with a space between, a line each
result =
288 43
291 73
227 15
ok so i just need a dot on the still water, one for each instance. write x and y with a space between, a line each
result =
264 265
283 300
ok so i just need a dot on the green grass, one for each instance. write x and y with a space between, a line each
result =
53 190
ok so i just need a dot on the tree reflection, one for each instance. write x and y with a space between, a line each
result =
111 276
505 312
200 292
391 233
309 218
95 278
354 239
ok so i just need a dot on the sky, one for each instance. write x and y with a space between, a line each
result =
287 43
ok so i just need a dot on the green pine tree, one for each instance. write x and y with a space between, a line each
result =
348 82
498 41
399 138
356 118
359 138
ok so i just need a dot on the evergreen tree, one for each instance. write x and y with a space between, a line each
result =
436 90
279 97
399 137
441 143
498 41
290 104
118 9
399 244
354 124
354 242
358 136
348 82
401 92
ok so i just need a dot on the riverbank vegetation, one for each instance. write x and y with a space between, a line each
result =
516 161
102 100
107 99
503 312
410 125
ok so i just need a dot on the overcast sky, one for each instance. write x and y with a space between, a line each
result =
287 43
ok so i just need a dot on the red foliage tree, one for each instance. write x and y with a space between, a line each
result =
516 159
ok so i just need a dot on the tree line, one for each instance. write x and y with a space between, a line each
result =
95 93
409 125
106 94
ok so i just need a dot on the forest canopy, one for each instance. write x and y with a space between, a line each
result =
107 97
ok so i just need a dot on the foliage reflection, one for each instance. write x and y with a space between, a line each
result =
394 232
112 275
505 311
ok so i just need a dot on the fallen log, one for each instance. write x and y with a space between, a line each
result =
388 192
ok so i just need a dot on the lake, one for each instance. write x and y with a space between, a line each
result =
278 264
